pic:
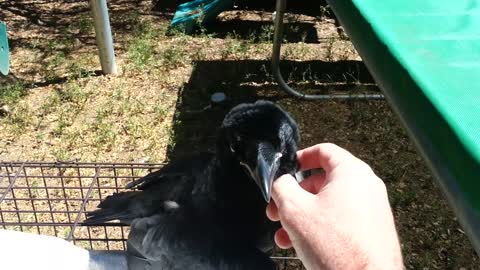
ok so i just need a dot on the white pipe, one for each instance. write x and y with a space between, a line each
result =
104 36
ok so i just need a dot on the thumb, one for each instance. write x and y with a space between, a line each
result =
286 190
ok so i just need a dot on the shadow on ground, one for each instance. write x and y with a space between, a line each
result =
254 30
196 121
312 8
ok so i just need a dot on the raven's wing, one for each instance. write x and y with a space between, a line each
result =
193 166
158 192
127 206
181 240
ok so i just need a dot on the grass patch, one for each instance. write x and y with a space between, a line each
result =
50 103
160 112
141 47
69 141
21 118
83 24
266 34
140 52
173 56
172 140
105 134
11 94
62 154
62 123
134 128
235 48
77 71
73 93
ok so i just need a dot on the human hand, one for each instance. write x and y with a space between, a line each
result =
340 219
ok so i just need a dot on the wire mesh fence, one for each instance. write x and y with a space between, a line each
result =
53 199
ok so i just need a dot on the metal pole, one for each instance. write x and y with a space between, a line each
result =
104 36
277 73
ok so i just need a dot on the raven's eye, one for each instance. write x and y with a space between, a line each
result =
236 144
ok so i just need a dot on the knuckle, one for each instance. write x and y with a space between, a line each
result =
288 208
362 167
330 145
327 146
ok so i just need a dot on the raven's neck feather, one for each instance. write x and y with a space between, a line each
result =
230 184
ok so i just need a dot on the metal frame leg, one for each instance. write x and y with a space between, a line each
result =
277 44
104 36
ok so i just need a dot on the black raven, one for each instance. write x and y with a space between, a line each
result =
208 211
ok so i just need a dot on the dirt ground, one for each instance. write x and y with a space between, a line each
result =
55 105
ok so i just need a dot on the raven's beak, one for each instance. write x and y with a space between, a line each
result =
265 170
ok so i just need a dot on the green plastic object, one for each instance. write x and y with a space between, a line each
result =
425 55
4 51
187 14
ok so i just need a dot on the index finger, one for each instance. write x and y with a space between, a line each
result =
325 155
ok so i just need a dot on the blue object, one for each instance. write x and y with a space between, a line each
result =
4 51
193 13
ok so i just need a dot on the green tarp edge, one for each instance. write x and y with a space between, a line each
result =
452 163
435 54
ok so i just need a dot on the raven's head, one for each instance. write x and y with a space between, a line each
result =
263 139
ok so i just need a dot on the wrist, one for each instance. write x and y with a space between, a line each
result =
347 253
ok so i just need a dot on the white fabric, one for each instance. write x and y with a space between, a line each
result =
25 251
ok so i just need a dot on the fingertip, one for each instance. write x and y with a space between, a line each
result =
280 186
286 188
324 155
282 239
272 211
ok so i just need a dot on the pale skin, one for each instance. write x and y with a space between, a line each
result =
340 219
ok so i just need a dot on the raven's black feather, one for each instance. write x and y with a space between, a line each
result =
206 212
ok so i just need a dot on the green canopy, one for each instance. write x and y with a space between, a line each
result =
425 55
4 52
